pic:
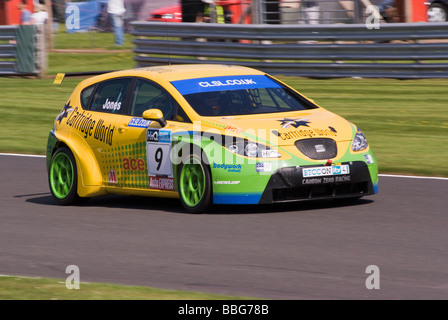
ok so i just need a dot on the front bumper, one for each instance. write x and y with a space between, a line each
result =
288 184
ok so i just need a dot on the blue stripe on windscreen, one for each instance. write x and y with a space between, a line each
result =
223 83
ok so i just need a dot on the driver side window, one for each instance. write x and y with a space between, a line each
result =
148 95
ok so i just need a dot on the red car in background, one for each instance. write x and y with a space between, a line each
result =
167 14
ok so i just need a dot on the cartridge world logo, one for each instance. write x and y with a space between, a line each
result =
88 127
307 132
64 113
285 123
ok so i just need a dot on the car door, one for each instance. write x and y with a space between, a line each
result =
108 105
142 147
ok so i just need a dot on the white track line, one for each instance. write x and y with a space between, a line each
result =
412 177
22 155
381 174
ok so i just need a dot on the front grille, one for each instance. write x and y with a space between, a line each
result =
322 191
318 148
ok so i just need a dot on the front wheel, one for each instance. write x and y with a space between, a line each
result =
63 177
195 188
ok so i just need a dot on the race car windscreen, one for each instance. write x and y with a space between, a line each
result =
239 95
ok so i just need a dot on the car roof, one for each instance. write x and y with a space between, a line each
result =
179 72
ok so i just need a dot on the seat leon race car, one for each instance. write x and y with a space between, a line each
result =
204 134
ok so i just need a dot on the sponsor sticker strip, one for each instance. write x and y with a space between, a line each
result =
325 171
224 83
158 150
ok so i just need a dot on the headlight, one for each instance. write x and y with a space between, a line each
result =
252 149
359 141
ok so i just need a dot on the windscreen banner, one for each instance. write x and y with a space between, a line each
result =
223 83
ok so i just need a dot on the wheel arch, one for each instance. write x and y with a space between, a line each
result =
193 146
89 173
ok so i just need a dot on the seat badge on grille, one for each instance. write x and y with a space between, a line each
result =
319 148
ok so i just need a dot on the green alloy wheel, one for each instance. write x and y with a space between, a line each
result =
63 177
195 185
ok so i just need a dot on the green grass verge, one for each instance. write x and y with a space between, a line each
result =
69 62
27 288
88 40
89 51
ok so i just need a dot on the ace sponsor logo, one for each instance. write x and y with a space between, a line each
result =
134 164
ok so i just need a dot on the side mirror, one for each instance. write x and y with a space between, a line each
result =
155 115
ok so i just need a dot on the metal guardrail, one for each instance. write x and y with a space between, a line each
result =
400 50
21 50
8 50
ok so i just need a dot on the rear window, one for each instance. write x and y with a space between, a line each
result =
85 96
110 96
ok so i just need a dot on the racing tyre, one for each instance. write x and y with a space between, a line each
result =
195 188
63 177
437 13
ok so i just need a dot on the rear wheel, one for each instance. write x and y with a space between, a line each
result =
437 13
63 177
195 185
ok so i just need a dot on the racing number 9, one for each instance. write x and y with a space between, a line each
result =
159 163
159 157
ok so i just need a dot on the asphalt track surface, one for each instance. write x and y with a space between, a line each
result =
290 252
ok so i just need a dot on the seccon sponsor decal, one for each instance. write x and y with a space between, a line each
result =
325 171
85 124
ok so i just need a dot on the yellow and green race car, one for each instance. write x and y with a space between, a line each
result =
205 134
